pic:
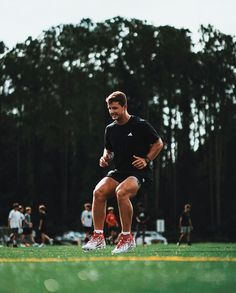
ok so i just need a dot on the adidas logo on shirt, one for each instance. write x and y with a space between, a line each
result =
130 134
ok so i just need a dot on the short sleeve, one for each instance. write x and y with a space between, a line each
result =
107 142
10 215
150 133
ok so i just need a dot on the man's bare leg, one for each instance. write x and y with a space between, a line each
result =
104 189
124 191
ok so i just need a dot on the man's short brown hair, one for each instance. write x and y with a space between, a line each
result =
117 96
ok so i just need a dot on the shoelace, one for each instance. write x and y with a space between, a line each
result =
122 240
95 237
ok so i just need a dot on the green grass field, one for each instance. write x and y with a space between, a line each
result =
209 267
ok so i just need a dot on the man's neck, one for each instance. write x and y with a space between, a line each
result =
124 119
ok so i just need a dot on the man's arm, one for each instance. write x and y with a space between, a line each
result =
106 158
155 149
40 224
27 221
190 223
82 218
180 222
9 219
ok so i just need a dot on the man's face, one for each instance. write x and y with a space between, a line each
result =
116 111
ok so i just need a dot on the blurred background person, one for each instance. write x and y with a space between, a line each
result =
20 231
87 221
43 226
15 223
142 219
28 228
185 225
112 225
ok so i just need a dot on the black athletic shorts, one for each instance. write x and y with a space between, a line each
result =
112 228
15 230
121 176
27 231
88 229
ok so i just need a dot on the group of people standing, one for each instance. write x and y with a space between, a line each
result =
110 221
142 218
21 226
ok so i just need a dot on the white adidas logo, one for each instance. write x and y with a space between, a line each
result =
130 134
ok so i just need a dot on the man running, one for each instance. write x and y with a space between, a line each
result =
132 143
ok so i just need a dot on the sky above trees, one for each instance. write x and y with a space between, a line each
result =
20 19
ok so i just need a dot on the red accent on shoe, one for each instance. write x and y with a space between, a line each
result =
124 238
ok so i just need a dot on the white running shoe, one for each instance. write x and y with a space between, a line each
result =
126 243
96 242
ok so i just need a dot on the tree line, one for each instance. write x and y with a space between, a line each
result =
53 115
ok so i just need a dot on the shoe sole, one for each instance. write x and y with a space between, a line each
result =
89 249
128 250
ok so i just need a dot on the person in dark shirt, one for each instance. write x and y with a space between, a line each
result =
43 226
28 228
131 142
185 225
142 219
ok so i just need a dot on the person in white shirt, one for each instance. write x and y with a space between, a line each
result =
87 221
15 223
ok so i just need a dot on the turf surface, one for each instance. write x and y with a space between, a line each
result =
209 267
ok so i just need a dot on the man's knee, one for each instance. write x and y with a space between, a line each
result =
122 194
98 194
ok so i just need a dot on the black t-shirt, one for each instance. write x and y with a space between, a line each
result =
132 138
142 215
42 217
185 219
